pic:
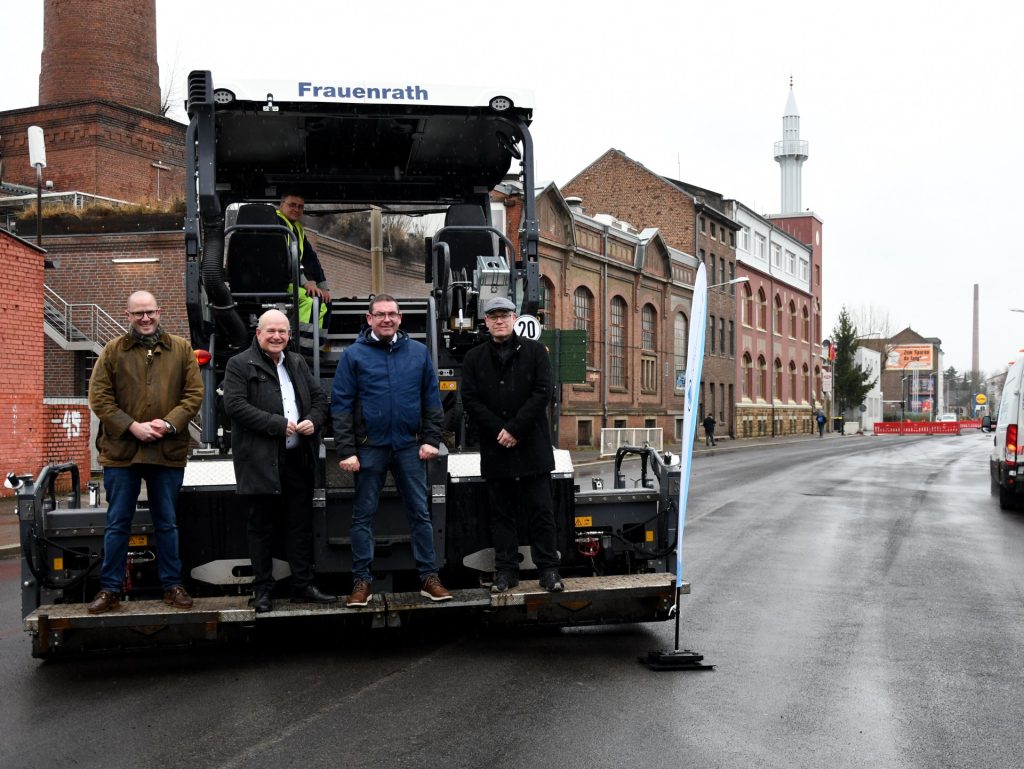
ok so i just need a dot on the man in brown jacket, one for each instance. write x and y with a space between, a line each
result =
145 389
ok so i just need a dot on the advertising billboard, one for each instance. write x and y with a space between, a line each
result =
910 357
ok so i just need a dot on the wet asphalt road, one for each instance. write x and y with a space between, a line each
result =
862 599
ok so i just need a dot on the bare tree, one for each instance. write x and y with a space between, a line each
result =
170 91
872 321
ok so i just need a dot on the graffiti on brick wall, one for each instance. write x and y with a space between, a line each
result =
71 423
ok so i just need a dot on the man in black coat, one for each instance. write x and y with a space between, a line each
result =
506 387
276 408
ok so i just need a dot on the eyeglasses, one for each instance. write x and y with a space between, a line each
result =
499 315
388 315
144 314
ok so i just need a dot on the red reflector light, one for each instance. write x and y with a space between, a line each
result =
1011 440
203 357
588 546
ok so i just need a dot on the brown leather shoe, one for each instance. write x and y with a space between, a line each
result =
177 597
361 594
104 601
434 590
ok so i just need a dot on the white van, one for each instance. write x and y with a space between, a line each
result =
1007 454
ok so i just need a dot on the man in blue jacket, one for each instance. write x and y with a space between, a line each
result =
387 416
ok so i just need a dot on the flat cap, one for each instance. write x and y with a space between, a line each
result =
498 303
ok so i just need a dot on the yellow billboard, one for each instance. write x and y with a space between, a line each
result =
910 357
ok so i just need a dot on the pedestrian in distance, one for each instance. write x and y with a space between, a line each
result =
821 424
145 389
506 388
386 409
277 409
709 430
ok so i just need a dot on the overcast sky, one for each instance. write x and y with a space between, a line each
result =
911 110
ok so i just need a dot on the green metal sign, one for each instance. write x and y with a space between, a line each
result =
568 351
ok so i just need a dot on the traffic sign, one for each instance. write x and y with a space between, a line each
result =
529 327
980 399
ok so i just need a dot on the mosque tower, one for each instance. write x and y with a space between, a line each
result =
790 153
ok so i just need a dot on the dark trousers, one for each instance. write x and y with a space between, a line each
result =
530 497
294 509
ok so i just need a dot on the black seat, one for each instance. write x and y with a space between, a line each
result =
258 262
464 246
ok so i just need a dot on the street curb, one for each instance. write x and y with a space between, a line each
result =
728 448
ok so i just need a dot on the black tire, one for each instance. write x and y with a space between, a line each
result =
1007 499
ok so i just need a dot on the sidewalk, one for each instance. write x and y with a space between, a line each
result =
9 535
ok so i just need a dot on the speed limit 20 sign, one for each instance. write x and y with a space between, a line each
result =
529 327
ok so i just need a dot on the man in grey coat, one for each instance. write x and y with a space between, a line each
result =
277 409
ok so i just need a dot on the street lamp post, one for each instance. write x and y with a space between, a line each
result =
734 281
37 158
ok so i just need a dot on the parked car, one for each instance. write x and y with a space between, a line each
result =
1004 463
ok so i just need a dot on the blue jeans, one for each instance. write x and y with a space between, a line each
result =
123 485
410 474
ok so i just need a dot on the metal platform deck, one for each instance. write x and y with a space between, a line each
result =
637 597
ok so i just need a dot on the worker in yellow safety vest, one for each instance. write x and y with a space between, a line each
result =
312 277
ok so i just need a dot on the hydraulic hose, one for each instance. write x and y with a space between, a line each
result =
217 292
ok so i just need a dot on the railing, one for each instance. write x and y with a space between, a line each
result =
79 325
917 428
613 437
788 147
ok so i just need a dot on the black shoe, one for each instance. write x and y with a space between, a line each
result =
261 602
503 580
551 581
313 594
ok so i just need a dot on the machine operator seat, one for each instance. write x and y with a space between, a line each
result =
259 267
465 246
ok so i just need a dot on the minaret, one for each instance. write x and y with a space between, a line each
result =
791 154
101 50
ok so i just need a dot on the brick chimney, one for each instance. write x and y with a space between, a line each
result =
101 50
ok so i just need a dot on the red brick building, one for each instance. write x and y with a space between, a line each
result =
632 293
690 223
34 431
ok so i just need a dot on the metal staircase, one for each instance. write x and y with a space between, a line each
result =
77 326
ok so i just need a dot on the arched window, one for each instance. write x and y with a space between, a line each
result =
649 328
762 377
617 346
778 315
546 311
806 389
748 306
747 378
777 395
681 331
792 319
762 309
807 325
649 347
794 393
818 384
583 319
